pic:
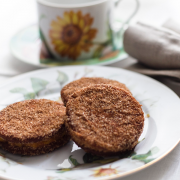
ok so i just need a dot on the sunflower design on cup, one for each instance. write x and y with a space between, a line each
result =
72 34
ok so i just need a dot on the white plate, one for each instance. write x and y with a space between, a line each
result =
161 132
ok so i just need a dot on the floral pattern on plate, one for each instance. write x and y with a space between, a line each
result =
71 162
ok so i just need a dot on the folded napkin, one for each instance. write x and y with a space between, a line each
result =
155 47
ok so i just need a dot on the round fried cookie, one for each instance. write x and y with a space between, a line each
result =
104 120
73 86
33 127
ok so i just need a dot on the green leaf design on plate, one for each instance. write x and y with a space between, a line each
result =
19 90
143 157
147 160
29 96
89 161
64 170
93 160
74 161
38 84
62 77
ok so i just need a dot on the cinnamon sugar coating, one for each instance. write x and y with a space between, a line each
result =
31 120
33 127
104 119
73 86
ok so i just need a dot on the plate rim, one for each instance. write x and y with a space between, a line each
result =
5 83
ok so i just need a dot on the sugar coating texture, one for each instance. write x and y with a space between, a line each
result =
70 88
31 120
104 120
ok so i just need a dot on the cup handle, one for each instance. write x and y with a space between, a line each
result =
118 32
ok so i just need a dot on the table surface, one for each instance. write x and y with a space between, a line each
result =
15 15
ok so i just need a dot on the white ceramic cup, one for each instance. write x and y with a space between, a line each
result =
75 30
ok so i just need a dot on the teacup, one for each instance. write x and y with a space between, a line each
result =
74 30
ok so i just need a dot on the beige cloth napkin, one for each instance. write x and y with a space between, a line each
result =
157 48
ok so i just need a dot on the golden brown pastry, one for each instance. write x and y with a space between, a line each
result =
73 86
33 127
104 120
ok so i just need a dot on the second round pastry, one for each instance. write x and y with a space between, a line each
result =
104 120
